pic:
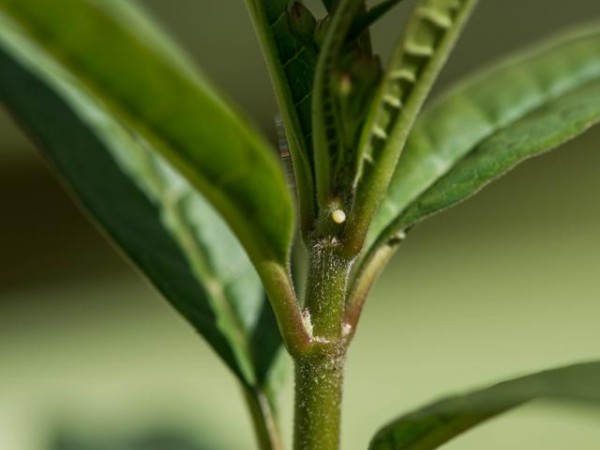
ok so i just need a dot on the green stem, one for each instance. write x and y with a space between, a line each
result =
326 288
263 419
319 382
319 374
364 276
280 290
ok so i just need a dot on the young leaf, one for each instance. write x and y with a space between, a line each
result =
333 88
434 425
484 127
172 107
291 58
415 65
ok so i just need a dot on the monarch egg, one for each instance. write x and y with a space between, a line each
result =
338 216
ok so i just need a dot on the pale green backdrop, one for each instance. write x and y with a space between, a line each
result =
505 284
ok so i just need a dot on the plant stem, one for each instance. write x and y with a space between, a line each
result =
368 271
263 419
326 288
319 374
278 285
318 402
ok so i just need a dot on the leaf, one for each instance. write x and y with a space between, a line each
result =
291 64
297 60
542 130
487 125
329 141
158 93
146 206
434 425
416 62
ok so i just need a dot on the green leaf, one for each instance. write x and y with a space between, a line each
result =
541 131
147 207
167 102
291 63
484 127
297 60
434 425
329 141
431 34
154 214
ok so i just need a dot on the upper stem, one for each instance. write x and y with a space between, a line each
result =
326 289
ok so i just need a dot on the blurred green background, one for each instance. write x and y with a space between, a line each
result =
91 358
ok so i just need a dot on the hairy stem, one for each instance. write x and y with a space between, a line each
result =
319 380
319 374
326 289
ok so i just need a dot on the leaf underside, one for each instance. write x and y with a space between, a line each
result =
297 61
142 201
434 425
166 101
291 62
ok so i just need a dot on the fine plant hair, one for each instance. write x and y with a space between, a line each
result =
267 259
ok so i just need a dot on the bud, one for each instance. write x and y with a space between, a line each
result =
302 22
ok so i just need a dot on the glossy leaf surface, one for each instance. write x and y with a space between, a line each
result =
488 124
139 76
434 425
146 206
297 60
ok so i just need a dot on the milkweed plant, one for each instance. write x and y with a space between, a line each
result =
198 199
